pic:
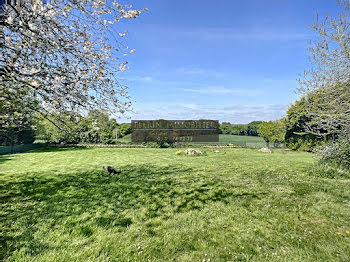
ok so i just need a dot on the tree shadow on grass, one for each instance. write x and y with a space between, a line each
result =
4 158
46 149
85 200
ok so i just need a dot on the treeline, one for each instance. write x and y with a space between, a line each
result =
65 128
314 121
96 127
250 129
273 132
24 125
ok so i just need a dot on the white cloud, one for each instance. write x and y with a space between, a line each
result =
232 33
197 70
228 113
146 78
220 90
191 70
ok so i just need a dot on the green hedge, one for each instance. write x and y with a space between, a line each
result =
18 148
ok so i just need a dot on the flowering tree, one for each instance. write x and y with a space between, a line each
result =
65 53
327 89
328 81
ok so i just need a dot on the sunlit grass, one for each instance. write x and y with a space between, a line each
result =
223 140
235 205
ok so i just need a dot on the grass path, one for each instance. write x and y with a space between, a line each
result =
235 205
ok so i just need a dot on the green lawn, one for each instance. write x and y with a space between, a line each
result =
249 141
235 205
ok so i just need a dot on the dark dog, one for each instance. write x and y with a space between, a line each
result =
110 170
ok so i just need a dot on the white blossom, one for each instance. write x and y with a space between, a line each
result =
62 51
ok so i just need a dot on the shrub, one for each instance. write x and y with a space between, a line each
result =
152 144
330 170
336 153
301 143
180 153
334 159
164 144
179 145
194 152
272 131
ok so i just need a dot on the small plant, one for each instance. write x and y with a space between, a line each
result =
190 152
152 144
330 170
336 153
194 152
180 153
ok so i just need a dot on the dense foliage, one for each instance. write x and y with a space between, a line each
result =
66 53
337 152
125 129
96 127
295 121
250 129
328 82
16 115
272 131
320 116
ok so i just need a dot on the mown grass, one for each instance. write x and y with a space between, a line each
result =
235 205
250 141
240 139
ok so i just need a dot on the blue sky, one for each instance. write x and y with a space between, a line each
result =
228 60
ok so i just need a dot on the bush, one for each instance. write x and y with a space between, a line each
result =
302 143
334 159
180 153
152 144
336 153
272 131
164 144
179 145
330 170
194 152
16 136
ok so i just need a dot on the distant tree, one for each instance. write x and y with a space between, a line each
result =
96 127
50 132
225 128
125 129
238 129
252 128
272 131
102 125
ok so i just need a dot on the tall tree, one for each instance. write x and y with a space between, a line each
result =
225 128
66 52
329 77
272 131
252 128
